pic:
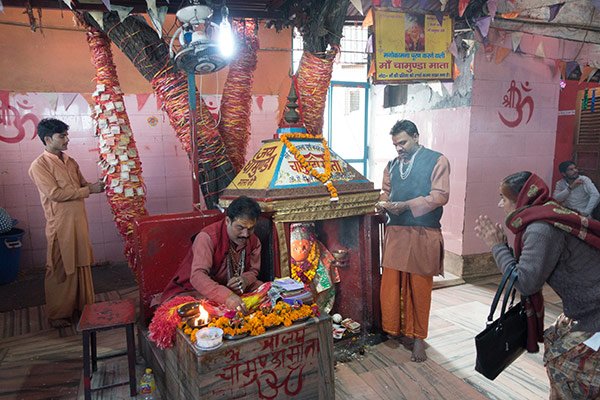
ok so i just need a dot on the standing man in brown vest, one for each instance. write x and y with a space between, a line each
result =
416 185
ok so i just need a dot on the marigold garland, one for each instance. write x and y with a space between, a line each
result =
306 270
258 322
323 177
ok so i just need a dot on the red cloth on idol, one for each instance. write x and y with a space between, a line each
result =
535 204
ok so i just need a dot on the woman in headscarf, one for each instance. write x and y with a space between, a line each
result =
557 246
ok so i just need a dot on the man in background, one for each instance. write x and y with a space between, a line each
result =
68 282
575 191
416 185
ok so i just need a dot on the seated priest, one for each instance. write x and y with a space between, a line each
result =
224 260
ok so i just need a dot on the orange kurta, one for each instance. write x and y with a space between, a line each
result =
62 192
412 255
68 281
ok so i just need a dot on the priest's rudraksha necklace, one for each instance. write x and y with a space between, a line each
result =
235 268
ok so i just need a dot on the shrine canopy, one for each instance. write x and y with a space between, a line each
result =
277 178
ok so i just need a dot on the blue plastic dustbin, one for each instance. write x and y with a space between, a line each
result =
10 254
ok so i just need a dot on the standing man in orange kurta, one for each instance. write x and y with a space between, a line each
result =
68 282
415 187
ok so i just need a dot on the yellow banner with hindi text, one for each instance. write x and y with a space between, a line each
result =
411 47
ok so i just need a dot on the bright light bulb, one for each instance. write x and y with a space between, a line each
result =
226 42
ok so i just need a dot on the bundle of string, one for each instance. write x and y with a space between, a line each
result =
236 102
130 201
171 88
150 55
313 76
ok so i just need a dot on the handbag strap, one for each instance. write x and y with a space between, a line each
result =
505 278
510 288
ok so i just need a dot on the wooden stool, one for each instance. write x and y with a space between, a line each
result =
102 317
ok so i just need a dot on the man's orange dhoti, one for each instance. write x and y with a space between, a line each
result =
407 303
66 292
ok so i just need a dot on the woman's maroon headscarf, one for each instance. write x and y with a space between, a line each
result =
535 204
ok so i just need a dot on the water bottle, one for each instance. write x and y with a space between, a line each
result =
147 385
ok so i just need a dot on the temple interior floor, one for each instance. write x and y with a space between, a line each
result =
39 362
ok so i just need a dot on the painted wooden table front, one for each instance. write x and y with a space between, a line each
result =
284 363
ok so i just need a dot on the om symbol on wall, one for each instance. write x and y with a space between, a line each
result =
13 121
515 98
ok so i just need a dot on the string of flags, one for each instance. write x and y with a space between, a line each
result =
509 7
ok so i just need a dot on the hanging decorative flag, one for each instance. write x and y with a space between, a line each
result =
483 25
587 72
571 65
98 17
158 20
561 66
368 21
436 87
593 107
462 6
68 99
151 5
68 3
492 6
443 5
1 7
539 52
107 4
142 98
554 9
122 11
455 71
516 40
90 100
52 100
453 48
358 5
501 53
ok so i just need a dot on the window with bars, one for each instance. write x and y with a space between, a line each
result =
353 47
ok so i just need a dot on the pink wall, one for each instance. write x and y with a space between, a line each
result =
443 130
165 165
497 150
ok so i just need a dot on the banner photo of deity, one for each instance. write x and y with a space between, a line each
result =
311 264
420 54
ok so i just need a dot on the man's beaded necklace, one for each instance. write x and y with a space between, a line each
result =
404 174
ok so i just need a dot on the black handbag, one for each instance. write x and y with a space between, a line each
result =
505 339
